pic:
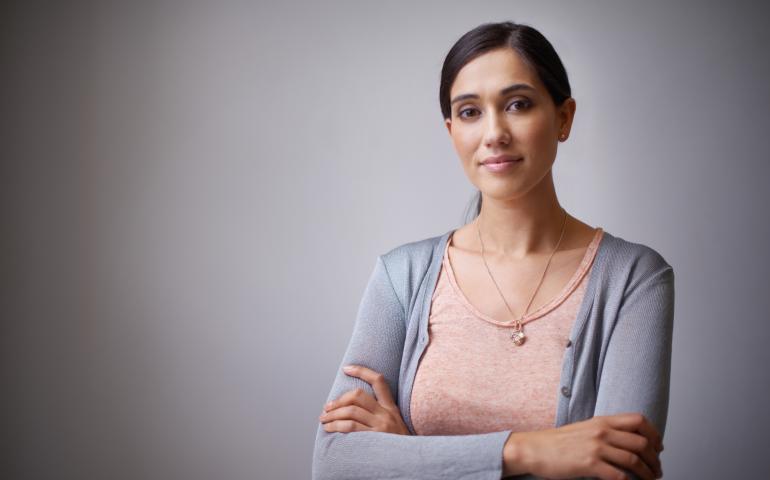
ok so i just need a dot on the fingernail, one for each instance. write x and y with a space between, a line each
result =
327 406
348 368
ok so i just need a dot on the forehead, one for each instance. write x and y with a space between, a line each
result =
490 72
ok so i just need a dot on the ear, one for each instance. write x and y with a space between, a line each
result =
566 115
448 124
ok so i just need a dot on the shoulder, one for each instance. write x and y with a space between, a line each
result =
633 261
415 251
408 263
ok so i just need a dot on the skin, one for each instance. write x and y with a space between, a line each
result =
520 222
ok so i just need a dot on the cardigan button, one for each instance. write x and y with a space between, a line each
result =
569 343
565 391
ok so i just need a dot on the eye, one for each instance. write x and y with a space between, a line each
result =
465 112
520 104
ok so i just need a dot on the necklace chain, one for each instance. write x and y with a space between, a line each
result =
518 333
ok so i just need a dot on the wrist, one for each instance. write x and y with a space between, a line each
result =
514 455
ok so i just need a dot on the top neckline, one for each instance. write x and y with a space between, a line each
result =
571 285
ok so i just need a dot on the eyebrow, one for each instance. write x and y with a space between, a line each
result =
505 91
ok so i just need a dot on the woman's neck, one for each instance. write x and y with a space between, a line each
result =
521 227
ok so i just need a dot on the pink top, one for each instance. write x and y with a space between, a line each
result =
473 379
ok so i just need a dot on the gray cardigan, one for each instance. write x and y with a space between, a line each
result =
618 360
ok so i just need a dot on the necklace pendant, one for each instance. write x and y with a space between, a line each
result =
518 337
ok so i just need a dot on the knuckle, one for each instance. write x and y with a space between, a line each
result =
632 459
601 422
591 461
593 453
599 433
638 418
596 450
358 393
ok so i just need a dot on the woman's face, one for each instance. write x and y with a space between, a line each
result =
500 107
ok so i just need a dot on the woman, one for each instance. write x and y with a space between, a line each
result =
525 342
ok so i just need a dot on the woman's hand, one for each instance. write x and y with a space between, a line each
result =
357 411
592 448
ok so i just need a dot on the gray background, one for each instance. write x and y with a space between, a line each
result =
194 195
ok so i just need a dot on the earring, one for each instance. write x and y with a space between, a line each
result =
562 137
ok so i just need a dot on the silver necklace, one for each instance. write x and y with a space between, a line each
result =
518 336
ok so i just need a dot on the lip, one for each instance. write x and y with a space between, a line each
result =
500 159
501 163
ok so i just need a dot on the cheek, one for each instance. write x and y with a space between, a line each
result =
538 136
465 141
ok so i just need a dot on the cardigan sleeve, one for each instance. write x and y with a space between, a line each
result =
377 342
635 373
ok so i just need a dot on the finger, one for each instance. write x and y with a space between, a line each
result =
605 471
357 396
376 380
636 443
345 426
637 421
628 460
649 431
350 412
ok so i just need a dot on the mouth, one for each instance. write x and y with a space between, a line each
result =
501 163
501 159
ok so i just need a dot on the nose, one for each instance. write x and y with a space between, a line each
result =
496 131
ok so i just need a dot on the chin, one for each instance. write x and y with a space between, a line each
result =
499 192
